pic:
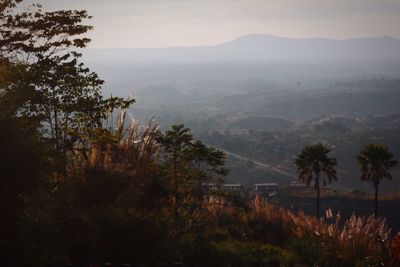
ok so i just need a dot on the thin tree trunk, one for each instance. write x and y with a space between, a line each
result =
55 113
63 145
56 131
51 124
376 201
317 184
176 190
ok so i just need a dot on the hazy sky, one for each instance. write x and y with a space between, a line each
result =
160 23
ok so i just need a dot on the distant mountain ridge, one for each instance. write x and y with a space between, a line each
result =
265 48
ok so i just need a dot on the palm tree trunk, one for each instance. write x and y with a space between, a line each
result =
317 185
376 201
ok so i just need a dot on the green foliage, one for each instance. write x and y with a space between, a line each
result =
178 147
49 82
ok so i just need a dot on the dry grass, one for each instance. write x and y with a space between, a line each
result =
395 250
125 146
358 239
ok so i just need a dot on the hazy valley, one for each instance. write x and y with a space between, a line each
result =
264 97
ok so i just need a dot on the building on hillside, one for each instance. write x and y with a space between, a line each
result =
268 191
209 187
232 187
211 194
209 190
297 184
236 189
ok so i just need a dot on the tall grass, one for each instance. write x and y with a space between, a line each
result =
124 146
357 241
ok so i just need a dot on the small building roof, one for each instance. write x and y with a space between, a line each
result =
296 183
208 184
232 185
266 184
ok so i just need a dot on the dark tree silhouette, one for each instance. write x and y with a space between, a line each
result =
45 79
314 161
175 142
22 171
375 161
190 163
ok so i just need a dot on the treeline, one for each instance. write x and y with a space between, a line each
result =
81 183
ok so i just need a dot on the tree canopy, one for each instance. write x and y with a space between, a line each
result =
43 78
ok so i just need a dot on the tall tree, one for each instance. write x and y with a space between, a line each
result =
49 83
175 143
375 161
190 163
311 163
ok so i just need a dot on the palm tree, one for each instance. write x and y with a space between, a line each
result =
314 161
375 161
